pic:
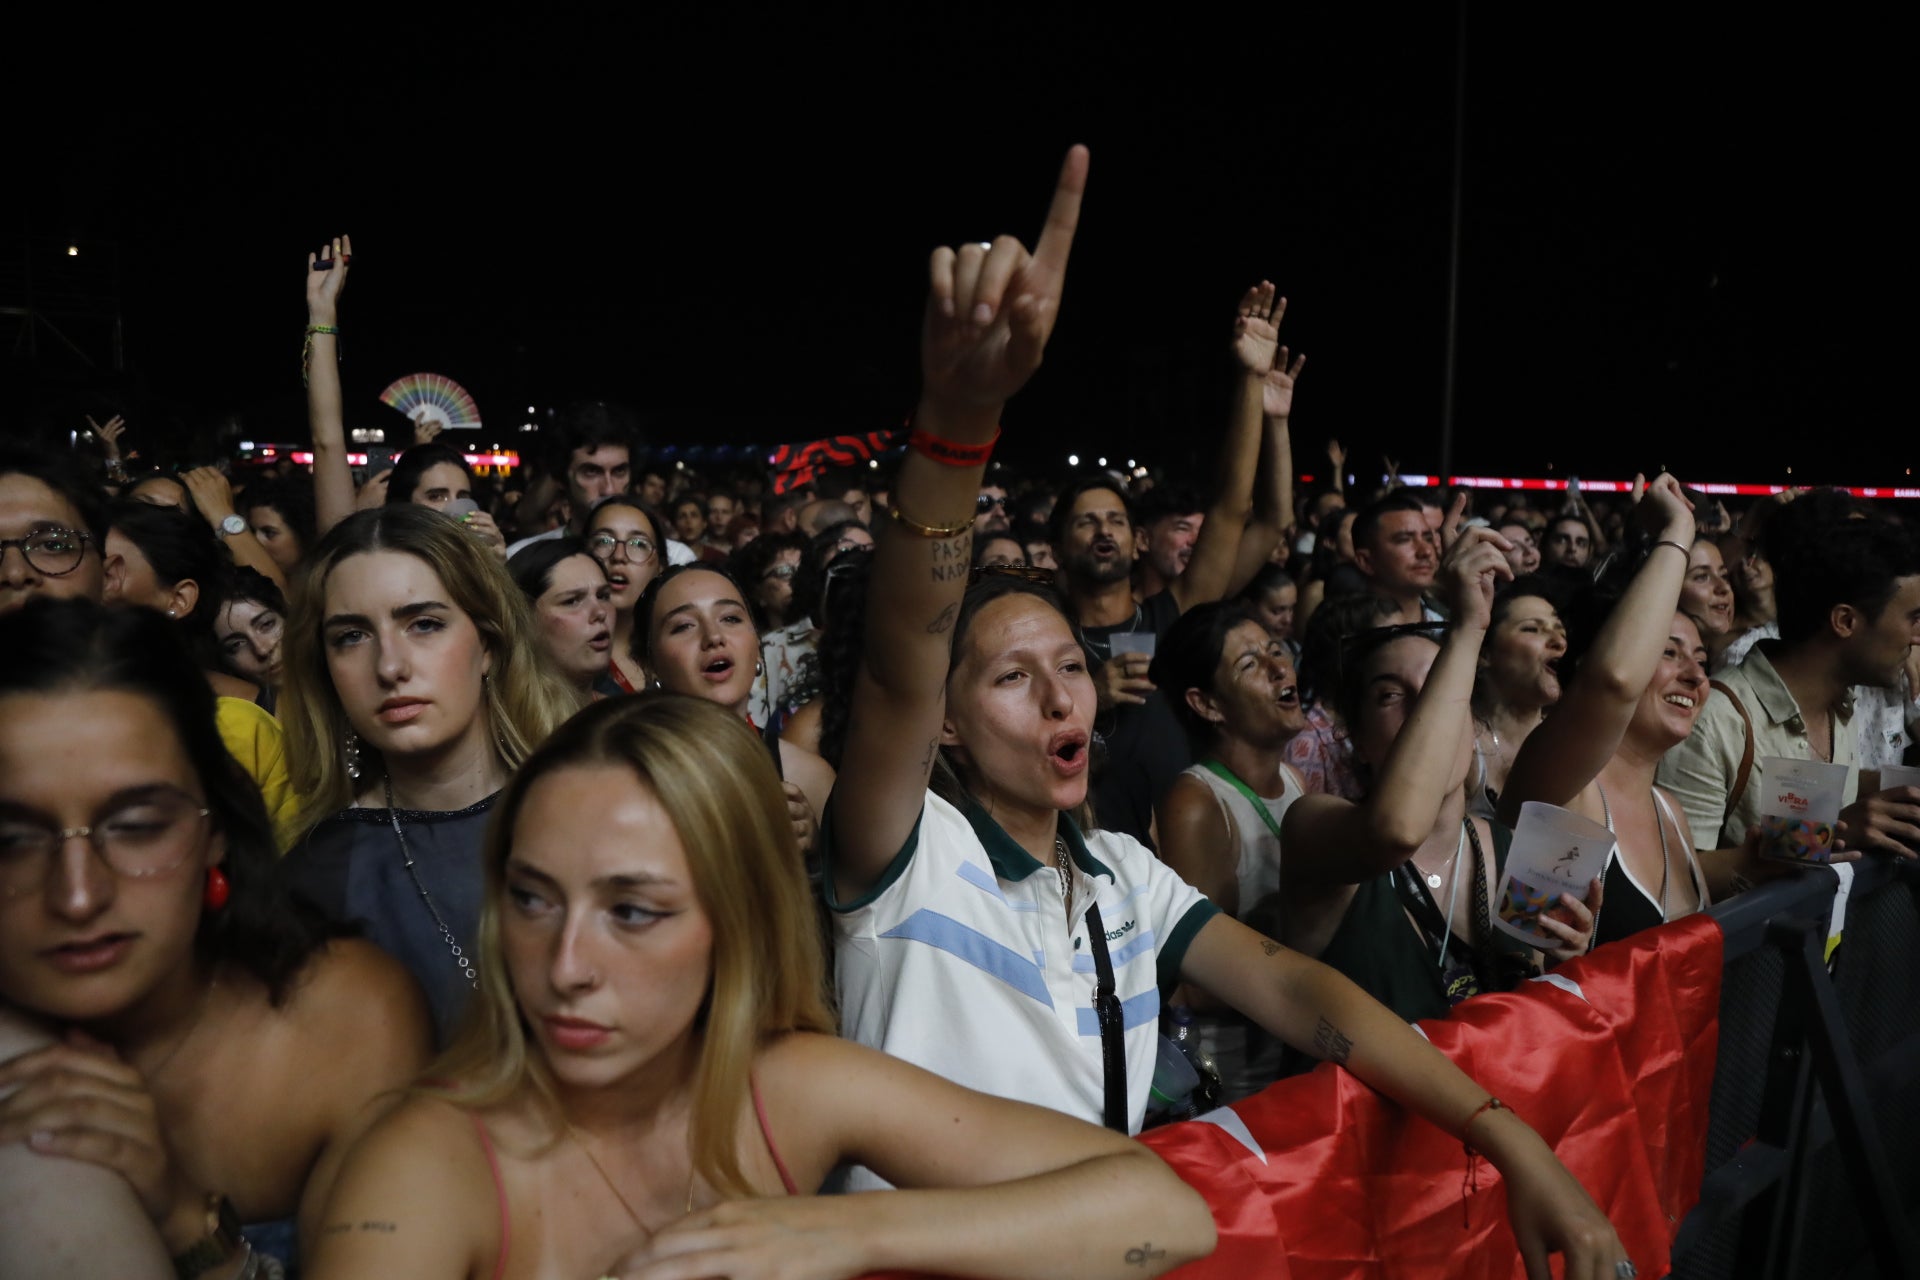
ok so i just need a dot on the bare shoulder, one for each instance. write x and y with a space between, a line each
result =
809 772
362 1010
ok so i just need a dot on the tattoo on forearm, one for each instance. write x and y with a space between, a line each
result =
1144 1255
944 623
1269 946
1330 1043
952 558
933 751
342 1228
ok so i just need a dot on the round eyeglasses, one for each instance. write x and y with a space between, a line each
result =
639 546
53 551
146 836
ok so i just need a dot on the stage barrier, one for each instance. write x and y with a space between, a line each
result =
1737 1110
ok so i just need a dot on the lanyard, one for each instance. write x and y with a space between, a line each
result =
1231 779
1106 1009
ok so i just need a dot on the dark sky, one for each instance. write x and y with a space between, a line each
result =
1679 245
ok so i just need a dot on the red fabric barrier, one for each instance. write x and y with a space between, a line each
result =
1617 1082
1616 1079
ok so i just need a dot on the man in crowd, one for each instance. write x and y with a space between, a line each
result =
1170 523
1397 551
1847 590
1569 543
591 456
991 515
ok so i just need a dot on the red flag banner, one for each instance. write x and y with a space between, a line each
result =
797 465
1610 1059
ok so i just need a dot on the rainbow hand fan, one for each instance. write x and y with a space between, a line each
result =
434 397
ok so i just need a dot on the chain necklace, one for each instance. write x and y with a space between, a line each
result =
581 1142
406 852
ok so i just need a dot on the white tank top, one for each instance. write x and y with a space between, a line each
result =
1258 867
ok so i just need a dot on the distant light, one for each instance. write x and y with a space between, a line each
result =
1073 459
1103 462
246 446
1131 464
873 464
73 251
531 409
679 466
1141 472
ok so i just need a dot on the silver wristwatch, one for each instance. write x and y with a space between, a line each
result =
231 527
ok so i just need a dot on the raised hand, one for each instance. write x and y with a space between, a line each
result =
1473 568
425 428
324 287
1456 522
1663 509
109 433
1276 399
1336 453
1256 331
212 492
991 308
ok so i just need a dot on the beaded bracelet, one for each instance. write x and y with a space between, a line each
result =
919 530
950 453
306 348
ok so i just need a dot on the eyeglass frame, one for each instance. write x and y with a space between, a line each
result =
83 537
652 551
198 811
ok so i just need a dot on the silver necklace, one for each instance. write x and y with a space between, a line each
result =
1064 869
406 852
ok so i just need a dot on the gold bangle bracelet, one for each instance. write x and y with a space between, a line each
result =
919 530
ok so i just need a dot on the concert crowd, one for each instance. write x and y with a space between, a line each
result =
629 869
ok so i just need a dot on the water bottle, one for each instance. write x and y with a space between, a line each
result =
1174 1081
1206 1092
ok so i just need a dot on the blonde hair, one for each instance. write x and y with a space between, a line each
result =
716 781
524 701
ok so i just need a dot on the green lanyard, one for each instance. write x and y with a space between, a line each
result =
1259 806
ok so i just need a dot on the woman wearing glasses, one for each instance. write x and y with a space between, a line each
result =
624 535
412 690
182 1000
981 922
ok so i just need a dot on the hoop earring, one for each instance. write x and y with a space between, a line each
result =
352 753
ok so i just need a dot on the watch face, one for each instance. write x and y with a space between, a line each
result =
233 525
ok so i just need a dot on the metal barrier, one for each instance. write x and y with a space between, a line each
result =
1813 1140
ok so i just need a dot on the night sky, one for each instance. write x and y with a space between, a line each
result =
1679 240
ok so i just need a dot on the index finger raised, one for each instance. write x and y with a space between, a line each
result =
1063 215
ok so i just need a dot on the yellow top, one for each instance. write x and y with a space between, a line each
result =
255 739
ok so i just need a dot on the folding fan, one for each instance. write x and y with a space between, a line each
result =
434 397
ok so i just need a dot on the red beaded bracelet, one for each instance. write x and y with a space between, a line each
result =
1471 1183
949 453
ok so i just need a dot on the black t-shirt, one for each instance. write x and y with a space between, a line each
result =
1145 746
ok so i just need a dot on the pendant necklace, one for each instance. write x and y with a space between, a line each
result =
420 886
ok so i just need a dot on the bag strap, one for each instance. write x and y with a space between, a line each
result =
1106 1010
1233 780
1746 752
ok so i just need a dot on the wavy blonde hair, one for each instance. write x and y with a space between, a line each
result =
716 781
525 701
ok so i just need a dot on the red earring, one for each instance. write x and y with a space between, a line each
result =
218 890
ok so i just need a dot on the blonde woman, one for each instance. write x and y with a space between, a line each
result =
651 1082
412 689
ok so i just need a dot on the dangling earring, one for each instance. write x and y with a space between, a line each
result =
217 890
759 669
353 754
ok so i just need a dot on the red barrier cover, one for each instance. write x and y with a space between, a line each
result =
1319 1178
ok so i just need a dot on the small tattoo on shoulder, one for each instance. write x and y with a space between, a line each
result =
1330 1043
1144 1254
1269 946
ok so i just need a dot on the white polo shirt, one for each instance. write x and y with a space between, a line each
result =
961 959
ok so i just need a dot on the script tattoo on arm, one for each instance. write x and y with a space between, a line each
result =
342 1228
952 557
1330 1043
1144 1255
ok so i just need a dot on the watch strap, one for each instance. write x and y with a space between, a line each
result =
214 1248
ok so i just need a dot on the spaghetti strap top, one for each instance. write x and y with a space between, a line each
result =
499 1195
766 1135
500 1187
